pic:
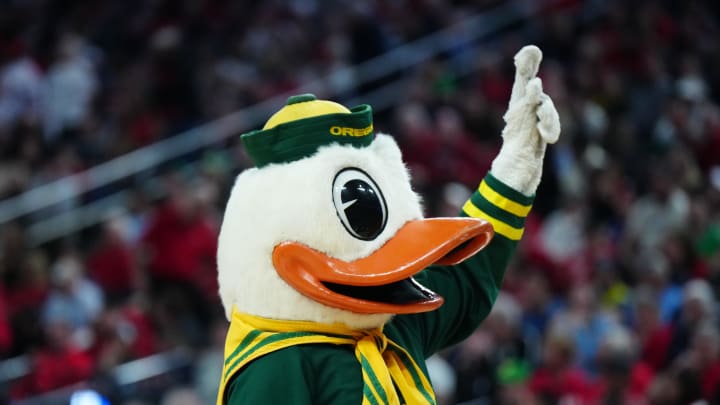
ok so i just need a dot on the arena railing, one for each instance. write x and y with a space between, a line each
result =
143 379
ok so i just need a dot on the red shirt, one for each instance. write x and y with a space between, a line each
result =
127 328
182 250
655 348
54 369
569 383
27 296
145 342
111 267
711 380
635 390
5 330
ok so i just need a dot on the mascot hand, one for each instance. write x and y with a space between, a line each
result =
531 122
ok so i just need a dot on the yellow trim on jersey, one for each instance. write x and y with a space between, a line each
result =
500 227
502 202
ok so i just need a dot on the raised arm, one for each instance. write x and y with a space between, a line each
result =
504 198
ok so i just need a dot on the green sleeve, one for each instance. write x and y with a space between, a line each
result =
280 377
470 288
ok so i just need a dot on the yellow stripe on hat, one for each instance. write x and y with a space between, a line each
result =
502 202
304 106
500 227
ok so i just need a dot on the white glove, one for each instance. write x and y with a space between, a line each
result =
531 122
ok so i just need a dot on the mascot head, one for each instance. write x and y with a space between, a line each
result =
326 227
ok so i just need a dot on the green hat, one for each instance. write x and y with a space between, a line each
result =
304 125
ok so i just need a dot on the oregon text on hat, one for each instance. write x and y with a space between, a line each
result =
305 131
347 131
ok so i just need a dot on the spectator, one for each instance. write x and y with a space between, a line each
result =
562 240
26 295
622 378
586 323
123 332
699 306
20 85
653 335
74 300
181 241
58 364
653 217
558 379
538 302
497 343
69 88
653 272
703 357
113 264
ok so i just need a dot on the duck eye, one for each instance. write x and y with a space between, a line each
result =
359 203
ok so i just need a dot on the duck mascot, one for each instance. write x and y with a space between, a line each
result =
336 287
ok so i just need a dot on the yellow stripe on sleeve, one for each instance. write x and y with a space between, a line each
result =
504 203
500 227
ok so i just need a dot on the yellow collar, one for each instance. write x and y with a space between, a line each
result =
385 364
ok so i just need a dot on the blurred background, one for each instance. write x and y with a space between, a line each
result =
119 141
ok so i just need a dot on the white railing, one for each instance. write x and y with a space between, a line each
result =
131 373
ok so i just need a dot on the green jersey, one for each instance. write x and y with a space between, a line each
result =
324 374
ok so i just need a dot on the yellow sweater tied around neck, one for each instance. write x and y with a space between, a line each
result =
385 364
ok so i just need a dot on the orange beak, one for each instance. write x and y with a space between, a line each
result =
382 282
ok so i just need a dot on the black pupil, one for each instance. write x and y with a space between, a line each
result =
365 215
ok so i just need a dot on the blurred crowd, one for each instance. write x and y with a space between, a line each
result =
611 298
